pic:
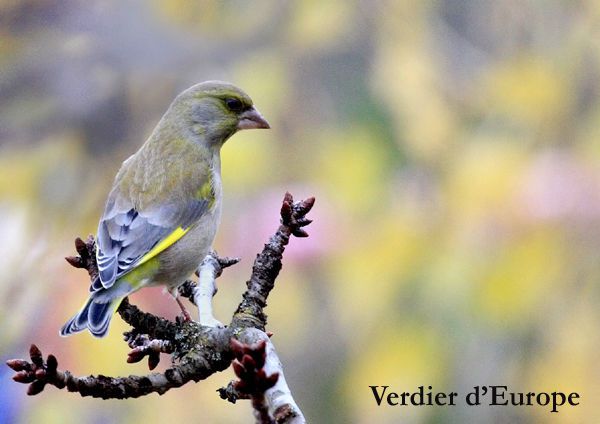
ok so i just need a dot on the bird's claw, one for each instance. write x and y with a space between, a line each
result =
210 321
186 315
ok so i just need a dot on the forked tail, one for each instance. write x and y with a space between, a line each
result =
97 311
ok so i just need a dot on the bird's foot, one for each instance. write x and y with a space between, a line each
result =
184 312
208 320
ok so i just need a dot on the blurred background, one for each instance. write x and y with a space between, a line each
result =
454 150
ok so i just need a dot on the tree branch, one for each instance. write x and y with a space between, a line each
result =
253 380
280 403
199 349
141 346
40 373
146 323
268 263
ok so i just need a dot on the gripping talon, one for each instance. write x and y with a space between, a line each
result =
185 313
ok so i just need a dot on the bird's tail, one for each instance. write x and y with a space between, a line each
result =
97 312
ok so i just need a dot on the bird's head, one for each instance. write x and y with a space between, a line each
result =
215 110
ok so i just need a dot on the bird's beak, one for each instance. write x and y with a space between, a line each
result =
252 118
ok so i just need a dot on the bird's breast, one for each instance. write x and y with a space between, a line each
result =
181 259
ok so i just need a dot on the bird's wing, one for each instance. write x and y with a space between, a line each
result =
128 237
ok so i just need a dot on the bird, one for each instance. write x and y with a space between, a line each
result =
162 213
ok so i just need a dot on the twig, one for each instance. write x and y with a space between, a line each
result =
208 271
87 256
253 380
40 373
145 323
141 346
268 263
187 289
231 394
281 404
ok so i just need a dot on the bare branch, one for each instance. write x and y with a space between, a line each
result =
145 323
253 380
187 289
268 263
205 290
87 256
41 373
198 349
281 405
141 346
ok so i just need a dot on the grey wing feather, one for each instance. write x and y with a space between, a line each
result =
125 236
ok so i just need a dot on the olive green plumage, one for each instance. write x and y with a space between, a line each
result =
162 213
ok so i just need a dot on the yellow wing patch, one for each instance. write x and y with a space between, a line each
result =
168 241
206 192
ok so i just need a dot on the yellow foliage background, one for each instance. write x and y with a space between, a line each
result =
454 150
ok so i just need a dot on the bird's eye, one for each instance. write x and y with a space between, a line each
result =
234 105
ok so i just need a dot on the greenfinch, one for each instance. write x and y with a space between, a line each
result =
162 213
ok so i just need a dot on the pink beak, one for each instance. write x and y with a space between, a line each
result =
251 119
